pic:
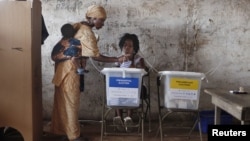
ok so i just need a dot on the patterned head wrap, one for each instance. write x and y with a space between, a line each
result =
96 11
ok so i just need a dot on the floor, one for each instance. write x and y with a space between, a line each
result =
92 130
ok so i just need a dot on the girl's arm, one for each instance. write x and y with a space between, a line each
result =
142 64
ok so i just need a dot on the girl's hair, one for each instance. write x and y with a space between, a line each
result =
132 37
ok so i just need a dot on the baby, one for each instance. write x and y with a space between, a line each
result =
73 47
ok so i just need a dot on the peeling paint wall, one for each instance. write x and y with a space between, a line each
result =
208 36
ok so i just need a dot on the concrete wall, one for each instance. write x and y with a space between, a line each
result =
208 36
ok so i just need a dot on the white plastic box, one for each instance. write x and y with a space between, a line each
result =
181 89
123 86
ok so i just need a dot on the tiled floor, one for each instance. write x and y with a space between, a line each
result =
92 130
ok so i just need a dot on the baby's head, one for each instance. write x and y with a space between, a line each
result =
68 31
129 41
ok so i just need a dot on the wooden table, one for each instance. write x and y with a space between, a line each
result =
238 105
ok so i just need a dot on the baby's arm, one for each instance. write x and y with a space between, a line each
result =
83 61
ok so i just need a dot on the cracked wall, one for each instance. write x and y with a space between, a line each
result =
187 35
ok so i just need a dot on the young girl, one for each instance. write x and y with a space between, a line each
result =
129 44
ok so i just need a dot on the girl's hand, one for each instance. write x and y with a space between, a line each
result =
124 58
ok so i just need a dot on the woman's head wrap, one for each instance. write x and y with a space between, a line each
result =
96 11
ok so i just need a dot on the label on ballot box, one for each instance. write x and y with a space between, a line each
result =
123 91
123 86
183 88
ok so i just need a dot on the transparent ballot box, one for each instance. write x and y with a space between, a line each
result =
123 86
181 89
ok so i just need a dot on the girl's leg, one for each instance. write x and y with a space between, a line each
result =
117 120
129 112
128 121
119 112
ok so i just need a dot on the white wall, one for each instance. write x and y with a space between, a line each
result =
208 36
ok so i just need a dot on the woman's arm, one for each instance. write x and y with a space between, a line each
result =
60 57
102 58
106 59
57 53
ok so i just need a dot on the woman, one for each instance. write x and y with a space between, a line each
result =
66 80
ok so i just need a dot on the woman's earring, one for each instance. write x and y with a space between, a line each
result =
90 21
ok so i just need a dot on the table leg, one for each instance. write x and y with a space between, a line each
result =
217 114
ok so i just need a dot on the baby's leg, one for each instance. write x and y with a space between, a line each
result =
76 62
83 63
